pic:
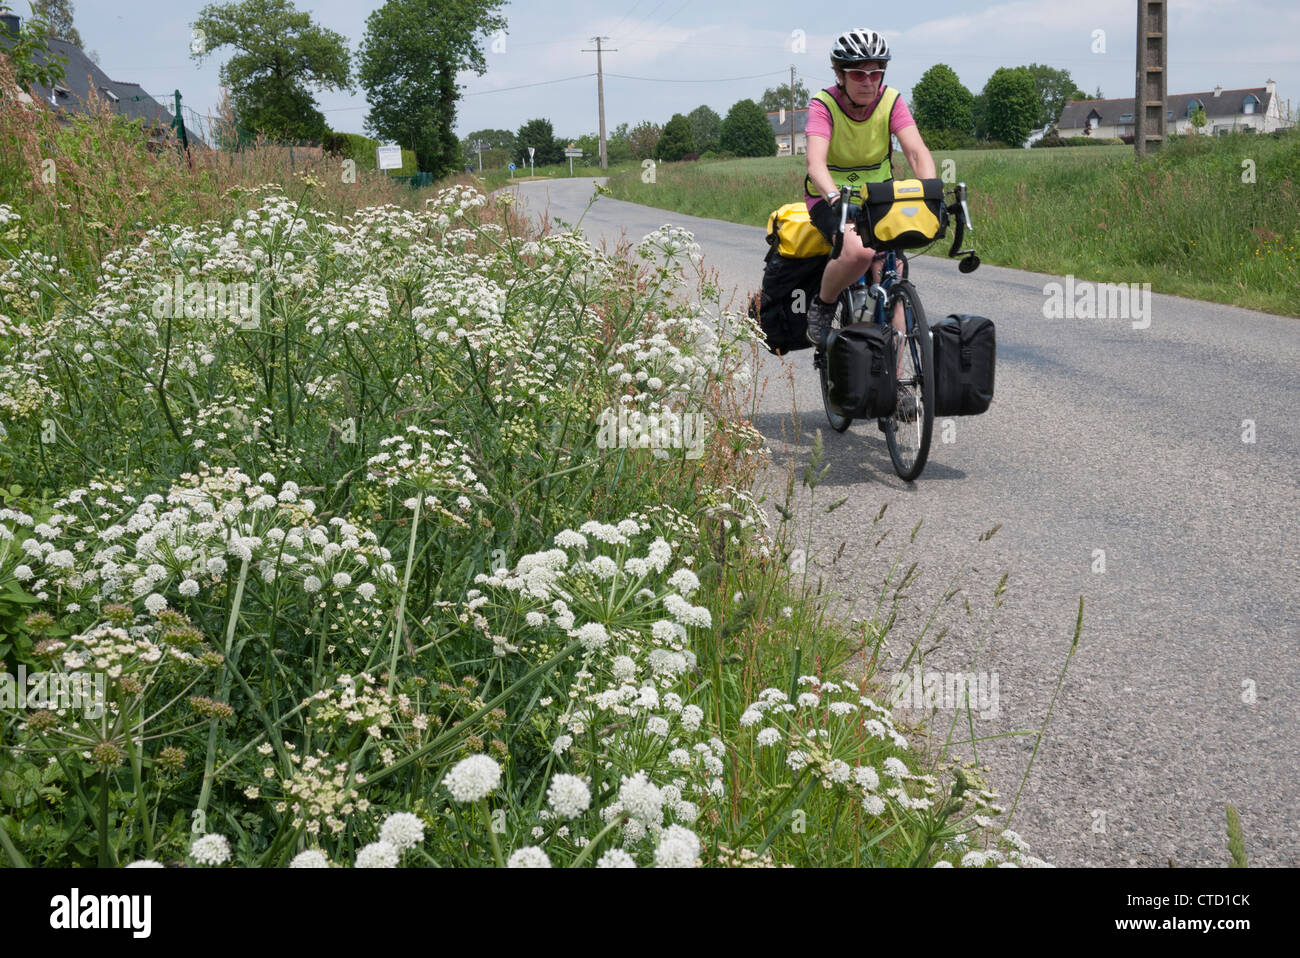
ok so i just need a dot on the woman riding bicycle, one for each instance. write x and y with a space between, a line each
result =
848 135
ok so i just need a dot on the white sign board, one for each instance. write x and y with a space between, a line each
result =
389 157
573 152
531 151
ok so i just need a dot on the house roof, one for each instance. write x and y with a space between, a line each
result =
800 121
1227 103
81 74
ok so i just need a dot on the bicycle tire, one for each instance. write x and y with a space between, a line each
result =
842 318
909 440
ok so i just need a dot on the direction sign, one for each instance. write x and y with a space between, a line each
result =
573 152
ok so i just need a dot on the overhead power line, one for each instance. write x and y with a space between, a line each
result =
524 86
755 76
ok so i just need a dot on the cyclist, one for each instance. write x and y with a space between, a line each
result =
848 136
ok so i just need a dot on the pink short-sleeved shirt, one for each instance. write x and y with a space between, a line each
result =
819 121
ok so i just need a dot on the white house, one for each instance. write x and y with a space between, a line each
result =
781 127
1226 111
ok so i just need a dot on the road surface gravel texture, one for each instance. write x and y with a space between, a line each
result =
1114 459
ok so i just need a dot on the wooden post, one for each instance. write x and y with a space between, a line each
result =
1149 120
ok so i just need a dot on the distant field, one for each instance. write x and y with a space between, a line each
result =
1184 221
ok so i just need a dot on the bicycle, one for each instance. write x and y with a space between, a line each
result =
908 430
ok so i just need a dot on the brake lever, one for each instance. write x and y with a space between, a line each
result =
838 246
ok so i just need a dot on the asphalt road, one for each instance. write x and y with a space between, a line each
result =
1115 460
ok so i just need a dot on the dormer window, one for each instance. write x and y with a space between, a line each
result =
1248 105
1193 106
113 97
60 90
1126 118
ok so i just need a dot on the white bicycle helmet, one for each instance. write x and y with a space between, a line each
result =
858 46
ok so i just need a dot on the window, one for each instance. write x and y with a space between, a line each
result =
1249 105
110 94
1192 106
1126 118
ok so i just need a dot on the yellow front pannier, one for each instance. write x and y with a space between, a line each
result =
793 233
903 214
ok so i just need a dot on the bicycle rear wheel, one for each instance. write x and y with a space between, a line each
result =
909 429
842 318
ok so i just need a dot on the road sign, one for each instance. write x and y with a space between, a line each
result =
512 167
389 157
572 152
531 151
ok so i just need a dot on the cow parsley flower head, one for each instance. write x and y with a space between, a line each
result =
894 768
592 636
402 830
378 854
473 778
311 858
641 799
529 857
616 858
679 847
568 796
211 849
145 863
768 736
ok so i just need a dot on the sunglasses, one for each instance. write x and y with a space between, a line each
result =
862 76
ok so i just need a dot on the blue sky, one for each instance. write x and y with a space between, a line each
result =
665 43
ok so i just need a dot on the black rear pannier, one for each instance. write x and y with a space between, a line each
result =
789 286
965 353
861 371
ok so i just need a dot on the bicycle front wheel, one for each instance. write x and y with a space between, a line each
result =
908 430
842 318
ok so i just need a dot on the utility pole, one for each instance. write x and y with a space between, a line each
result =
1152 57
600 88
792 149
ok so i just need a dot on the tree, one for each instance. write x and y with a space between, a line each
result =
280 55
746 132
491 140
643 139
59 15
706 128
407 64
779 99
618 146
1054 88
29 55
540 135
1013 104
676 141
1198 118
940 102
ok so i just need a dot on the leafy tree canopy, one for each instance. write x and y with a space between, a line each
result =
706 128
1013 106
941 102
280 56
676 141
746 132
30 57
778 98
59 15
408 63
1054 88
540 135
